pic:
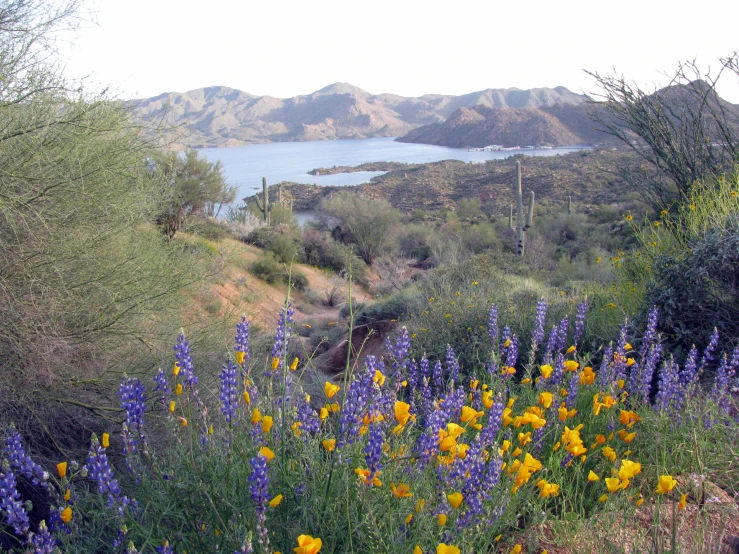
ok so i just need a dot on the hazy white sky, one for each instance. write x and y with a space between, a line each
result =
283 48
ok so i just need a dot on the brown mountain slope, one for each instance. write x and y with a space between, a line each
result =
481 126
221 116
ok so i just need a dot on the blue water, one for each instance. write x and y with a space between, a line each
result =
245 166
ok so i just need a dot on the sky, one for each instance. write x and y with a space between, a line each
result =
142 48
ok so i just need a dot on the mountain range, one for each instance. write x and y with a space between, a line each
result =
222 116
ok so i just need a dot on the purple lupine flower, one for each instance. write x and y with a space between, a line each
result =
647 371
399 353
43 541
259 493
452 365
282 336
555 379
414 375
489 433
162 388
453 401
99 470
669 386
474 487
708 352
686 379
308 419
166 548
650 333
22 462
572 389
537 335
133 401
228 387
242 338
437 377
582 310
551 345
619 358
373 451
10 503
605 373
355 403
564 327
184 360
493 324
506 336
725 372
426 443
511 354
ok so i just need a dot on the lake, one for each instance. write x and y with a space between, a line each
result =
244 166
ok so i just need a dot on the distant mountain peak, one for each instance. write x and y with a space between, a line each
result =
342 88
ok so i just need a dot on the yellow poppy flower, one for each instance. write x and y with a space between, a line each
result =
516 549
308 545
67 495
592 476
447 549
171 406
247 397
329 444
455 499
66 515
408 518
178 389
545 399
402 412
256 416
402 490
267 423
105 440
61 469
330 389
240 356
665 484
176 369
294 364
441 520
683 501
276 501
571 365
267 452
546 370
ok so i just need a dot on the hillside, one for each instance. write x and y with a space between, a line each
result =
587 176
222 116
555 125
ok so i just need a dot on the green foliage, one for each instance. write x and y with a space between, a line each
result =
364 222
190 185
195 486
686 265
272 271
284 247
319 249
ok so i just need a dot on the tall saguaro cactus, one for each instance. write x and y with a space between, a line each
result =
265 207
523 223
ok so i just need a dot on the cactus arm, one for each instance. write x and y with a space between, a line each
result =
530 213
519 209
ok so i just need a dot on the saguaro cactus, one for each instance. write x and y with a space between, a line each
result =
510 217
523 223
265 207
569 204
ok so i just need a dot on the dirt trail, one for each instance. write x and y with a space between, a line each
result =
239 291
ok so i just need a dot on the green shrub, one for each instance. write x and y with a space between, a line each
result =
268 269
284 247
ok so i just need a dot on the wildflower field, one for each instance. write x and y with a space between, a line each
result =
555 453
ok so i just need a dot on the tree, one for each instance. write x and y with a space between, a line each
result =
683 133
83 271
191 185
363 222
